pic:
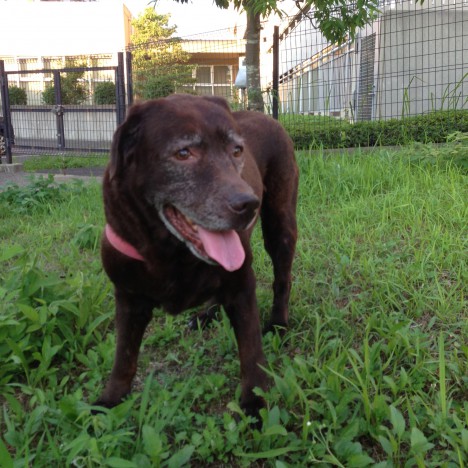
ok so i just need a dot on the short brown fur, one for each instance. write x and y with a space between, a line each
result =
217 188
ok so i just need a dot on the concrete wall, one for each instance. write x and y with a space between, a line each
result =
86 126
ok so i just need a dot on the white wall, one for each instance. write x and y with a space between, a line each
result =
423 60
31 29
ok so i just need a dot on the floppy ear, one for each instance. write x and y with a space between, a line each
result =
219 101
124 142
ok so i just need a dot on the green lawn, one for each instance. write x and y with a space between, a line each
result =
36 163
372 372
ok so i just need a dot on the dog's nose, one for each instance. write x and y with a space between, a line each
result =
244 203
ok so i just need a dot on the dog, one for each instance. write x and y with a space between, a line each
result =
186 182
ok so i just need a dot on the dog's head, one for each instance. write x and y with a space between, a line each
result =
183 157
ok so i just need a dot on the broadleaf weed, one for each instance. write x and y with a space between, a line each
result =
372 372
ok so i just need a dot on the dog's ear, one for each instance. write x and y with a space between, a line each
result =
219 101
124 142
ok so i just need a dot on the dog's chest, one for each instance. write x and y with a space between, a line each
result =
181 287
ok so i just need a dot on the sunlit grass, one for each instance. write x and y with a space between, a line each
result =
373 371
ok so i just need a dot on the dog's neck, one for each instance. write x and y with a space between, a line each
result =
121 245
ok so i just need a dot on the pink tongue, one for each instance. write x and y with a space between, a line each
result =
224 247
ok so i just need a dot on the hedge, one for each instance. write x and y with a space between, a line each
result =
104 93
17 96
328 133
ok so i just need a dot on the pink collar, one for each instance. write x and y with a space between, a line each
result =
122 246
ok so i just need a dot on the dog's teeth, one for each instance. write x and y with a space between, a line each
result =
191 224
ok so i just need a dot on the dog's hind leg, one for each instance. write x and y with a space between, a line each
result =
133 314
279 227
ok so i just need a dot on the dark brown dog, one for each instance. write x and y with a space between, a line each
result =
186 181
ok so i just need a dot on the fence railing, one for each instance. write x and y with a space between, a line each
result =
72 108
412 60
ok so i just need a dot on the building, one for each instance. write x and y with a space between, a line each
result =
37 38
47 35
412 59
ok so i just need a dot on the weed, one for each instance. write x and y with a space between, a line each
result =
64 162
372 372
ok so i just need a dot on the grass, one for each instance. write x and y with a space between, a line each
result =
64 162
373 371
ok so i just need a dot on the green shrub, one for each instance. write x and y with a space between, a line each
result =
73 89
157 87
312 132
18 96
73 94
104 93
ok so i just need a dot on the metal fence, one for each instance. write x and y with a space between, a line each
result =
412 60
59 109
206 64
72 107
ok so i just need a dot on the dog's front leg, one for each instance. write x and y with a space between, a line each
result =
241 307
133 314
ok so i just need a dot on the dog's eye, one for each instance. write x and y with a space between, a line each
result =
183 154
238 150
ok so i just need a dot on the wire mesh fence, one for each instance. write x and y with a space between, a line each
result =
404 76
409 68
202 64
62 103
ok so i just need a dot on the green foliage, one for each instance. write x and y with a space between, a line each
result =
38 163
337 20
104 93
159 62
73 89
328 133
157 87
372 372
39 194
17 95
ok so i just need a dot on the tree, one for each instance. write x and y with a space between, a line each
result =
159 62
336 19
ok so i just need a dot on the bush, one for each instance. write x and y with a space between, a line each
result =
70 94
18 96
104 93
73 90
157 87
312 132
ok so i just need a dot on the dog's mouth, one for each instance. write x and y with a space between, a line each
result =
215 247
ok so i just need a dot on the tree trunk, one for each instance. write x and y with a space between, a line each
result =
252 61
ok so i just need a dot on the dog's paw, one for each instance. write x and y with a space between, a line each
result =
107 402
251 408
278 328
100 407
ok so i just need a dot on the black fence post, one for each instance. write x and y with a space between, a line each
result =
120 88
6 112
129 63
275 90
58 110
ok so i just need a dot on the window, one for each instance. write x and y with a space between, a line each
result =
215 80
